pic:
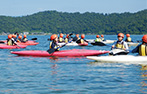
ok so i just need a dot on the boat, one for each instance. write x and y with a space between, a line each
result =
5 46
68 44
105 41
63 53
109 41
30 42
83 44
118 52
119 58
132 44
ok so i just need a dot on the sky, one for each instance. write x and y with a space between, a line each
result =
28 7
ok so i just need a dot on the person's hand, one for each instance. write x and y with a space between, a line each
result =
124 48
112 46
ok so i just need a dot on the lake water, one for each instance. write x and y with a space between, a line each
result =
40 75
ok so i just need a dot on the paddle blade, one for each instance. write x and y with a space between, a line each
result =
50 51
34 39
2 42
70 34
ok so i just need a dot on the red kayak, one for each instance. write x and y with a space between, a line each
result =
83 44
28 43
64 53
24 43
5 46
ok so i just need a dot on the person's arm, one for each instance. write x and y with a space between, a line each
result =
126 46
85 40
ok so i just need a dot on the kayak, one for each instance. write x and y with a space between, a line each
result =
105 42
119 58
83 44
98 43
118 52
109 41
132 44
5 46
64 53
28 43
69 44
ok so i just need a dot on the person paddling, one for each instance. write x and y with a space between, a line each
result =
98 39
142 48
120 44
54 42
24 38
128 38
82 40
76 37
17 35
10 41
67 38
102 38
14 38
19 38
61 38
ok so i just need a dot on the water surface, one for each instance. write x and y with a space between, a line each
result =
54 75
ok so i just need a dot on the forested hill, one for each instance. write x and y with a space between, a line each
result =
89 22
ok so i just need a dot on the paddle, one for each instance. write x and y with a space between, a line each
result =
2 42
52 50
34 39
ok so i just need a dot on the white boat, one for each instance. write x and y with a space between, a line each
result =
106 41
120 58
109 41
132 44
69 44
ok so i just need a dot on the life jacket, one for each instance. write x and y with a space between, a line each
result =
82 41
102 39
25 39
143 50
51 43
9 42
60 39
129 39
120 45
98 40
66 40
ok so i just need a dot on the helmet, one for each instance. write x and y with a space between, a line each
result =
97 36
102 35
61 35
9 36
14 36
19 36
144 38
82 36
67 35
24 36
77 35
53 36
121 35
128 35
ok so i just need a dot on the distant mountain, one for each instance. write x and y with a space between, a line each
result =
87 23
